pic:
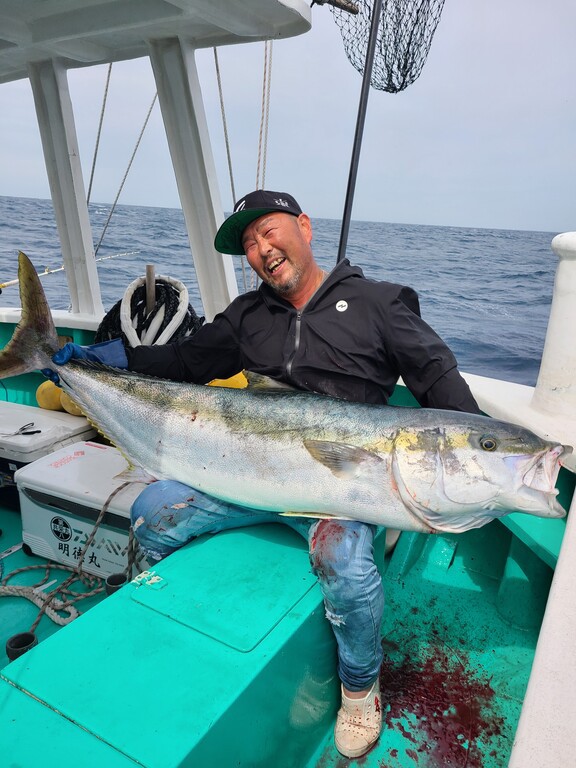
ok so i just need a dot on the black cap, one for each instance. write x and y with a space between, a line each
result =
229 237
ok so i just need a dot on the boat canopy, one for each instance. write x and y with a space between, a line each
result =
86 32
42 39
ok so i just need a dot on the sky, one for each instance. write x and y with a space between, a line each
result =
486 137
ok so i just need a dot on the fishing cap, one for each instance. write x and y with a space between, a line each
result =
247 209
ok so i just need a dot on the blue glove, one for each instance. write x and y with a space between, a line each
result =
110 353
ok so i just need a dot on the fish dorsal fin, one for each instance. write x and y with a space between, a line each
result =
260 383
344 461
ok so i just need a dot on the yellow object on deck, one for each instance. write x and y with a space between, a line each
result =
238 381
48 396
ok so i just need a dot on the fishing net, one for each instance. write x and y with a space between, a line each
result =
404 37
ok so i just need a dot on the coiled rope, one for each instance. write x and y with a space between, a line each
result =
171 318
63 599
50 607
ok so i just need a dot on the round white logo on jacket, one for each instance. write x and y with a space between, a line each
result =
342 305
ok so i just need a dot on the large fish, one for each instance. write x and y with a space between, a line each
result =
301 453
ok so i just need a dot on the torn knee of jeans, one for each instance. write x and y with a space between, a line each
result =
336 619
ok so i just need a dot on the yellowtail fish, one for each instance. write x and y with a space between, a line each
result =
299 453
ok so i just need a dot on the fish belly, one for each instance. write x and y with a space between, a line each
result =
197 445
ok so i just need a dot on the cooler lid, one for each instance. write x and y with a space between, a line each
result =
83 472
51 429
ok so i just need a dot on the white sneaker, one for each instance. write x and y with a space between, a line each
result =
359 723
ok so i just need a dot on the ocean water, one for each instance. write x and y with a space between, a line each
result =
487 292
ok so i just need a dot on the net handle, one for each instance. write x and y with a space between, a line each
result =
360 120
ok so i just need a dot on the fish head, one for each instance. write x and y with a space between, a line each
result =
462 474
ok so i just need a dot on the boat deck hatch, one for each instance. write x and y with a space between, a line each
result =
225 597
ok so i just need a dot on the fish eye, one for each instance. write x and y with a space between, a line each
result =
488 443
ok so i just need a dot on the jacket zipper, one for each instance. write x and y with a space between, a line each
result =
296 343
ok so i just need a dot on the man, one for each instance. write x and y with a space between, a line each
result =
337 334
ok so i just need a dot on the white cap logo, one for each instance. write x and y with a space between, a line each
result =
342 306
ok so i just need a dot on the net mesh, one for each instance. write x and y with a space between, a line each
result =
404 37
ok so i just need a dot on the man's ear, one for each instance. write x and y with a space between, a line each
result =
305 226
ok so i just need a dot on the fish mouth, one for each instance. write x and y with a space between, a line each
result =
541 473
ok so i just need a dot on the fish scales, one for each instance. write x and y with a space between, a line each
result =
302 453
214 438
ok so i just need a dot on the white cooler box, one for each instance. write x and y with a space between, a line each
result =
51 430
61 496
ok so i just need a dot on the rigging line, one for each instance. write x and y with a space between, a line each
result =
224 123
268 86
126 174
263 138
228 153
104 100
263 135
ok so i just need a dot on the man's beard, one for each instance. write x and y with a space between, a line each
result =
286 287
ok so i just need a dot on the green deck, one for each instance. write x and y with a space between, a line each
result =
227 660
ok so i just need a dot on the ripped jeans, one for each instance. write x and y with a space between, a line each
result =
168 514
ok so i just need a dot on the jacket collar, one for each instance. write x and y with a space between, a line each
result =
342 271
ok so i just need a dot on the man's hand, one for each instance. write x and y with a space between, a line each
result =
109 353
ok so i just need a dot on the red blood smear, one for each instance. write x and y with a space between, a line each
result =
441 707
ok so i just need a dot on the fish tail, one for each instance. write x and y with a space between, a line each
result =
34 340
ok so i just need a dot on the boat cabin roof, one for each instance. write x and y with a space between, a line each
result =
87 32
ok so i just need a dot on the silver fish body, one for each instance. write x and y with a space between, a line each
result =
311 455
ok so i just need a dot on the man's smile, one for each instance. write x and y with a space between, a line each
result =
275 264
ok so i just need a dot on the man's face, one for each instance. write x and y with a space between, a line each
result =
277 246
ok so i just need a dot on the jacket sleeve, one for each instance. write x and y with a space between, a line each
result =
212 352
450 392
426 364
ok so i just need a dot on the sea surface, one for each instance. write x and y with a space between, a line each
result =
487 292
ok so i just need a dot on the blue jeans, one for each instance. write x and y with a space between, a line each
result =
168 514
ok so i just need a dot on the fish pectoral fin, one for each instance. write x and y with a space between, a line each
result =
136 475
260 383
344 461
316 515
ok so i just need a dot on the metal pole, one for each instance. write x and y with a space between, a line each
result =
376 12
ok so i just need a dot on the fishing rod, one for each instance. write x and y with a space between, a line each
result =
360 120
48 271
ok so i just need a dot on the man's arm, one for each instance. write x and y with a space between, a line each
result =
450 392
213 352
426 364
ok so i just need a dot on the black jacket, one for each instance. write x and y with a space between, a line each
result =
352 340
